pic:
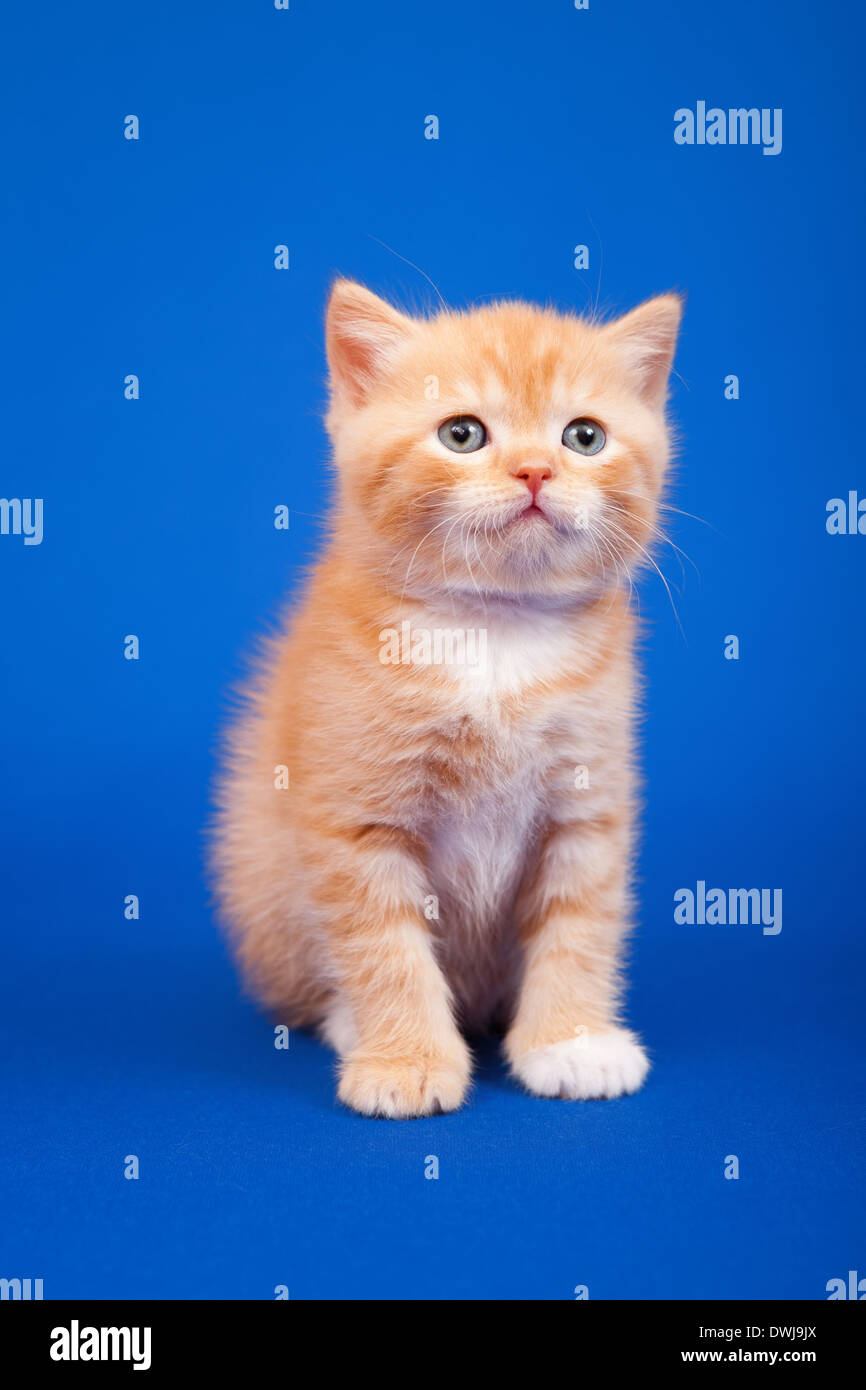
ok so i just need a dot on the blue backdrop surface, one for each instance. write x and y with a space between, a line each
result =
155 257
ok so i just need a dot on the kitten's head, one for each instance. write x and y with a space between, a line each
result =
510 449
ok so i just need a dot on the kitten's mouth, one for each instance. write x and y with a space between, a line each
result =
530 512
537 523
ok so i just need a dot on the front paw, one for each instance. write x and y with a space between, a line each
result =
402 1088
589 1066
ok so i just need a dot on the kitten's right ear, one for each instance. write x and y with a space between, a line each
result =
363 333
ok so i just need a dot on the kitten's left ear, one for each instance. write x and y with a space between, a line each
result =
363 334
646 339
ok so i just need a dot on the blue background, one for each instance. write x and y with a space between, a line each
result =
155 257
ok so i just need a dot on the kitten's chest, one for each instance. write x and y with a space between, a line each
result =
496 753
510 656
479 839
495 715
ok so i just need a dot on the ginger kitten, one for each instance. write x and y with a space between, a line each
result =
453 703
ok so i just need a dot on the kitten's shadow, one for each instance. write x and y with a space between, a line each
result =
490 1067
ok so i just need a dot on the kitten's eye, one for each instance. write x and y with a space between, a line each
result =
584 436
464 434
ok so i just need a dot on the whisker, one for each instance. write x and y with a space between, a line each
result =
666 506
415 552
406 261
606 523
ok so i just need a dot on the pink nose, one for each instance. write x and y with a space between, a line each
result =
534 476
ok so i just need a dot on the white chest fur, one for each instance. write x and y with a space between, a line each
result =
491 654
480 844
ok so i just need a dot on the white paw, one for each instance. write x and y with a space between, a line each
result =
591 1066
